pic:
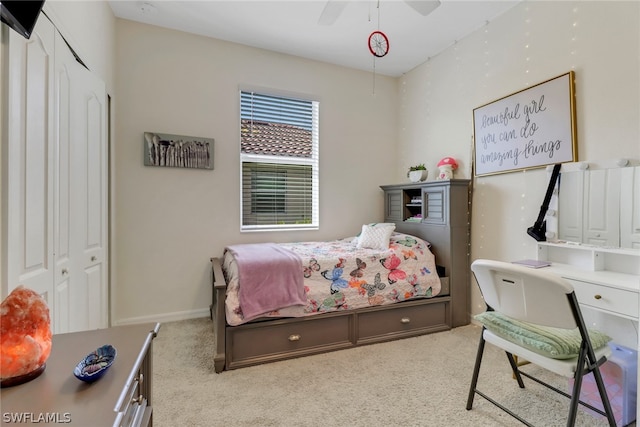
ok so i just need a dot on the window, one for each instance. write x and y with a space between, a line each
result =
279 162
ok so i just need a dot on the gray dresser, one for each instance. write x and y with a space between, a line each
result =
122 397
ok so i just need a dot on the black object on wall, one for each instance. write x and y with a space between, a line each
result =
20 16
538 230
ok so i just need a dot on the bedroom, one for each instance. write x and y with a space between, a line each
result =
143 257
162 235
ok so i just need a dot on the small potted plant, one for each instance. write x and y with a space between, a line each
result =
417 173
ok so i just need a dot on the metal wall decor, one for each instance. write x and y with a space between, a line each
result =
161 149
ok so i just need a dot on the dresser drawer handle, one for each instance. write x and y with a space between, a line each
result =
405 320
597 296
294 338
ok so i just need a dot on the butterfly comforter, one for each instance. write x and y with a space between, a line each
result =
340 276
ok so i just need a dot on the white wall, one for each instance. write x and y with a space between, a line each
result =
529 44
169 222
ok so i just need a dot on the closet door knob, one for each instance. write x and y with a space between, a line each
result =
64 271
93 258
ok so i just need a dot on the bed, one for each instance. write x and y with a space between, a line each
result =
353 297
416 286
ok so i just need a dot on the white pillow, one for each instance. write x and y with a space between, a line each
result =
376 236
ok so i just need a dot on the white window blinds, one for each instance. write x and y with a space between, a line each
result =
279 162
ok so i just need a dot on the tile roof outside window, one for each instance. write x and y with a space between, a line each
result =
277 139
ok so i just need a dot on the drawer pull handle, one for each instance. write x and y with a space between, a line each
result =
93 258
294 338
65 271
597 296
405 320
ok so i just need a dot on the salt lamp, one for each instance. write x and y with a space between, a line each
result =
25 336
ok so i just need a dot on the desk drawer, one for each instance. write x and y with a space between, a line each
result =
405 319
261 342
617 301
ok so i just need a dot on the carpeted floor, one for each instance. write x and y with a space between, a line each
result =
420 381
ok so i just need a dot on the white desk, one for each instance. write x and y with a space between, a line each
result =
606 281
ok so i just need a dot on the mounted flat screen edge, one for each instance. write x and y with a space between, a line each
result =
21 16
532 128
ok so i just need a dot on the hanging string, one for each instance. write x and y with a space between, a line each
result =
374 76
374 57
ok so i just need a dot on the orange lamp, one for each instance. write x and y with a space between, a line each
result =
25 336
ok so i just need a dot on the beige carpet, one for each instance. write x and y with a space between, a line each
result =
419 381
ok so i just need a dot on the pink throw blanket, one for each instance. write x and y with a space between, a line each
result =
270 278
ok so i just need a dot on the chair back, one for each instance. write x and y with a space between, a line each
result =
526 294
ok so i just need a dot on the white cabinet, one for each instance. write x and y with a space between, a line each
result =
570 206
56 179
589 207
606 282
630 208
599 206
601 209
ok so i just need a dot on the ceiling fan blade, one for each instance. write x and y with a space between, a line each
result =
331 12
423 7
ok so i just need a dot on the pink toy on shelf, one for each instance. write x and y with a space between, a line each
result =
446 167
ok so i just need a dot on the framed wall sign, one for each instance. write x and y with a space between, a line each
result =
179 151
531 128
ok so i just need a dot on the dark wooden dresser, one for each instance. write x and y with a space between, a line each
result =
122 397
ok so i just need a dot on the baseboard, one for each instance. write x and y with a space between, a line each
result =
166 317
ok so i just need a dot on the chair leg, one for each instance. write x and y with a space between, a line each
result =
514 368
476 371
577 386
606 404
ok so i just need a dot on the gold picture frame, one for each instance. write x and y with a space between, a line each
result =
531 128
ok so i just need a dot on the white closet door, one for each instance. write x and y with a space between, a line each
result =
56 180
29 162
83 293
62 192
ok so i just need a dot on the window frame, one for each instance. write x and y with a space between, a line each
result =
312 161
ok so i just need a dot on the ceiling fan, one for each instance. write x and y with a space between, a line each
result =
333 9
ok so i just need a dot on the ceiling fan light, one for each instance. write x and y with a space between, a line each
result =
423 7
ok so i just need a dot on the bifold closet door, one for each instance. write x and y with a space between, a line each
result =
56 179
81 286
29 183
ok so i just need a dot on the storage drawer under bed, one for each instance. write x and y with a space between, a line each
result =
403 320
263 342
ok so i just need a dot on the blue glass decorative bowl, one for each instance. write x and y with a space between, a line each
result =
95 364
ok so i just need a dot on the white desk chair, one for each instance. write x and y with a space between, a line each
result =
543 301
